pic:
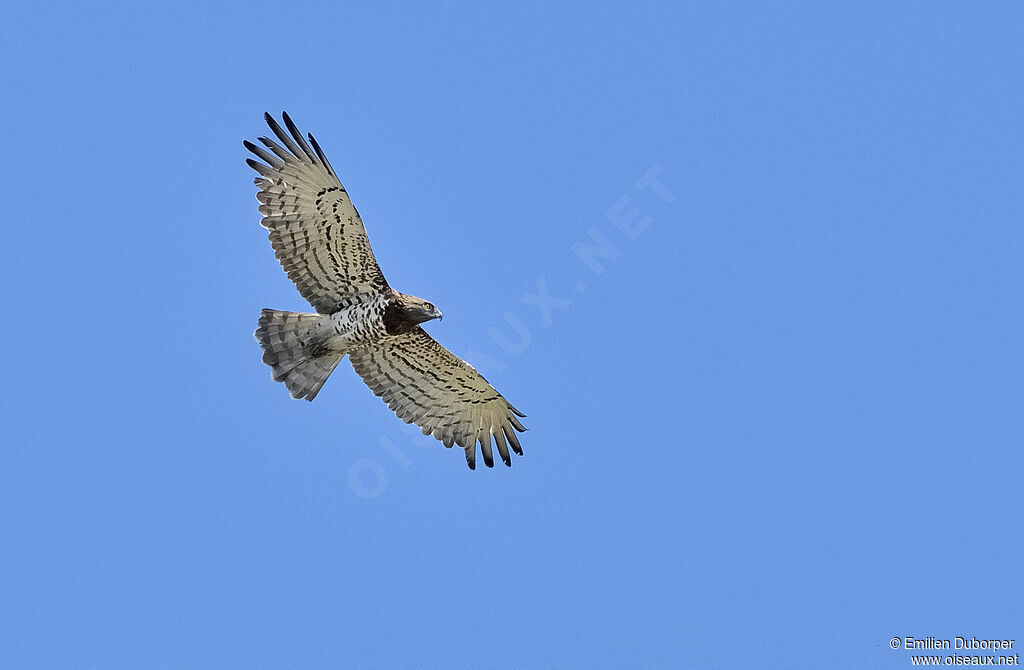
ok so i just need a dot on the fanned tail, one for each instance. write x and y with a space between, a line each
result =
286 342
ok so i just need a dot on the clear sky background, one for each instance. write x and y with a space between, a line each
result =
776 421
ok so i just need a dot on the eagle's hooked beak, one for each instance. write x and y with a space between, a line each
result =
440 316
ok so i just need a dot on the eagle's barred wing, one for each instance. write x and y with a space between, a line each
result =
315 230
425 384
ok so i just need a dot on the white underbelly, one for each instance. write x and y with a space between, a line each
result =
351 327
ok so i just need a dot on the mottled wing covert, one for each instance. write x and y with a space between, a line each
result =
315 230
425 384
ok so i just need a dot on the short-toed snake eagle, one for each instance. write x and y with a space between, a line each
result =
320 240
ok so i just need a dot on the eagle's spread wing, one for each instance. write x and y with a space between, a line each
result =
425 384
315 230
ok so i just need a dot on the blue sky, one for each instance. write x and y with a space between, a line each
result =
775 422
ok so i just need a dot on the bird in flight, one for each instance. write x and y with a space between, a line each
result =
320 240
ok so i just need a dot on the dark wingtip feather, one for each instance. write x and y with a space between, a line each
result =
320 154
290 125
274 125
297 136
502 445
515 424
275 147
513 441
263 154
282 135
259 167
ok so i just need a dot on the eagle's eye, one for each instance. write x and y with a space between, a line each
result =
427 306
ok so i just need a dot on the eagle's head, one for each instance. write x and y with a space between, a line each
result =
405 312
